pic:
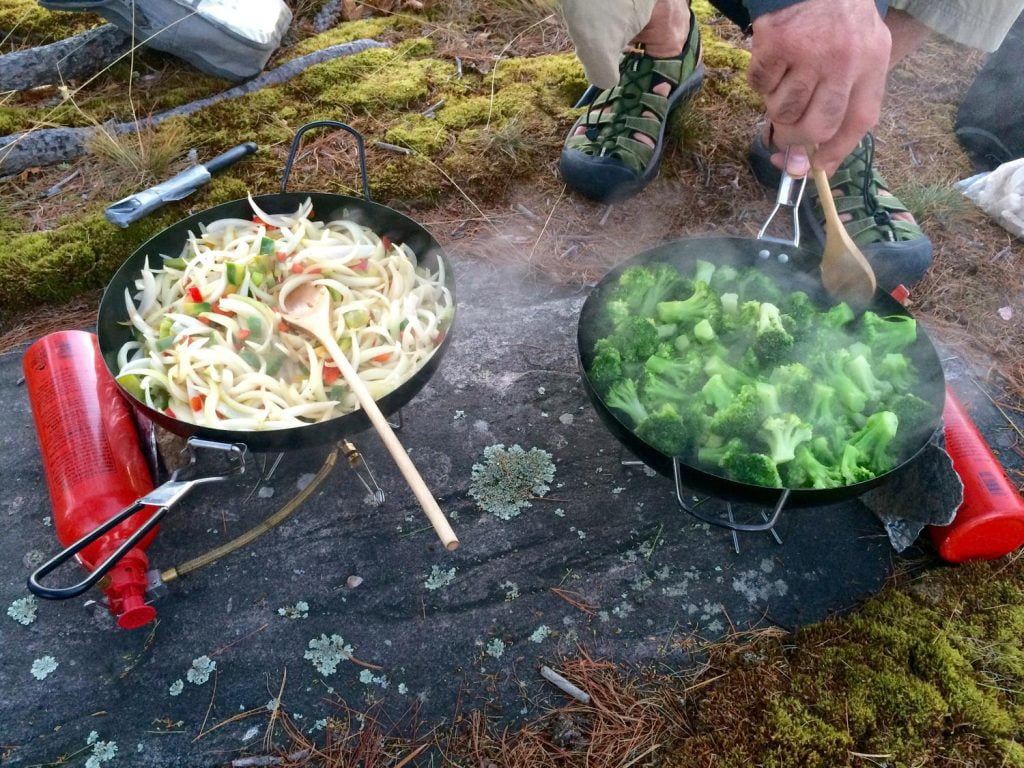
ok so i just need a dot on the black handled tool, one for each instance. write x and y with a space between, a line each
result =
132 208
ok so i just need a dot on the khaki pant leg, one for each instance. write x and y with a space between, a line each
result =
979 24
600 30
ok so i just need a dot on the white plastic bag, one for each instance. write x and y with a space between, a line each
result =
1000 193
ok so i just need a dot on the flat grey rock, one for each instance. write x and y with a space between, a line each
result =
636 575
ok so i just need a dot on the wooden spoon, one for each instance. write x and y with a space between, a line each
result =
847 275
309 307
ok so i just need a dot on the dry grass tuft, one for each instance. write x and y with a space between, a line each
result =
138 158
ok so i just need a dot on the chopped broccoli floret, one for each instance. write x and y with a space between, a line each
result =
755 285
743 416
717 393
798 305
635 339
838 316
783 433
702 304
806 471
641 288
795 383
851 466
623 397
672 431
752 468
680 371
618 312
606 367
874 442
714 453
704 271
917 420
864 377
724 279
892 333
733 377
703 332
772 341
896 369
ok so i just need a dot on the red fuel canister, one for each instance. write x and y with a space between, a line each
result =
93 463
990 521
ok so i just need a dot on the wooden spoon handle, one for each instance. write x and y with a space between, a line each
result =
398 453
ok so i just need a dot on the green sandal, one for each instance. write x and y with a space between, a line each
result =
899 252
606 163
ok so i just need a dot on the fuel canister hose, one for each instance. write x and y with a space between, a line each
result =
190 566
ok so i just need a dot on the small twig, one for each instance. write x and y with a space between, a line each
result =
366 664
999 408
458 68
56 188
429 111
220 650
268 737
546 222
406 760
261 760
573 599
209 708
393 148
564 685
607 213
526 211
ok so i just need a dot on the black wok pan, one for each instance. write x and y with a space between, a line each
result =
113 329
793 269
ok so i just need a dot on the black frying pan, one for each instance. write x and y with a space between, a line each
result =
794 269
113 329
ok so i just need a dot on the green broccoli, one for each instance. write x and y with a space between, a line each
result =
806 471
657 391
681 372
714 452
783 433
798 305
733 377
704 271
892 333
752 468
623 397
704 332
755 285
671 430
874 442
702 304
863 376
636 339
833 364
838 316
743 417
896 369
852 468
606 367
717 393
772 341
724 279
618 312
795 384
641 288
917 419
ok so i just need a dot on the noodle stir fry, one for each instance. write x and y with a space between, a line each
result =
211 347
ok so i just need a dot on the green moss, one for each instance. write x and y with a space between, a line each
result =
372 28
421 134
30 24
558 76
51 267
799 737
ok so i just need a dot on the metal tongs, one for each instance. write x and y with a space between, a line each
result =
231 456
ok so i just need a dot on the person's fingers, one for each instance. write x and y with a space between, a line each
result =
861 116
787 104
766 68
797 165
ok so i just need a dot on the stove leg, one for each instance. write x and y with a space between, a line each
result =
735 536
772 531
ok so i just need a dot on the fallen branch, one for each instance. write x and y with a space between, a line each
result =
48 146
68 59
564 685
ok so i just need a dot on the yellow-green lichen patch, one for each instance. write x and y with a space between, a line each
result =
418 133
559 76
28 23
373 28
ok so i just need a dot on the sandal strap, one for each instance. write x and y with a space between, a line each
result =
871 210
615 115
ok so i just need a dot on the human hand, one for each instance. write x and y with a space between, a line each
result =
821 66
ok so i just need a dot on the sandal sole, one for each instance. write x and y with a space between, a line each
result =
607 179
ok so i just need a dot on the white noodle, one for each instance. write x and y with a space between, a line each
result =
227 361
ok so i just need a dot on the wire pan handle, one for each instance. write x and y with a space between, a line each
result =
360 148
